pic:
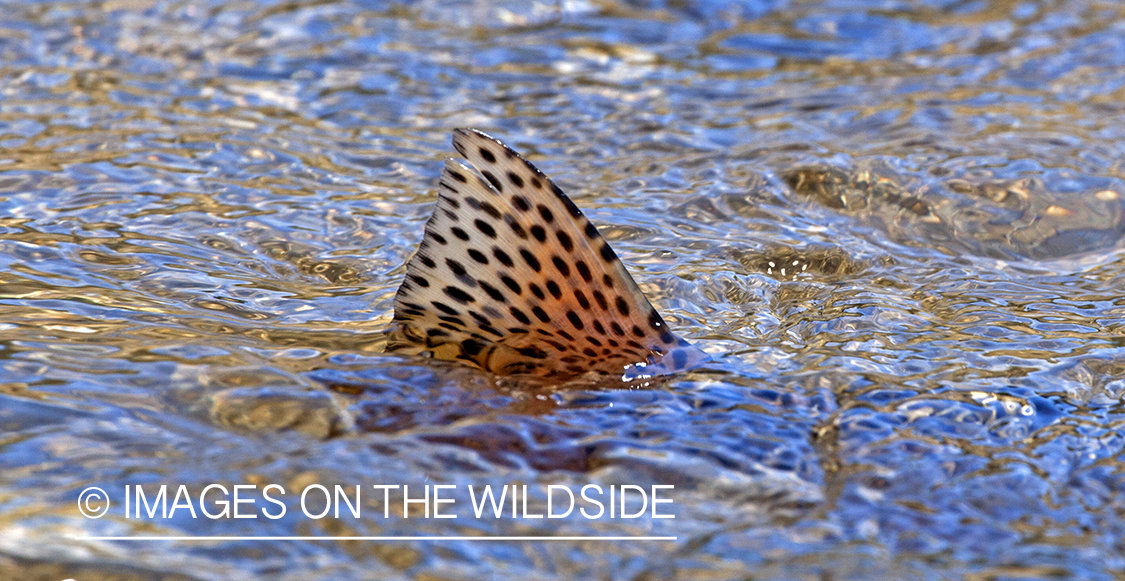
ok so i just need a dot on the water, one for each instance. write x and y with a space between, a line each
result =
895 225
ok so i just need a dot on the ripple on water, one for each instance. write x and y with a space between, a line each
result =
896 229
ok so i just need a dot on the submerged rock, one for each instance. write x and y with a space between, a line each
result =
997 218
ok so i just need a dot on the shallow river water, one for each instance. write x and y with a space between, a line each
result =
895 226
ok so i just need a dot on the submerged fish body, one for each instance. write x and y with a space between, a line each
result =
510 277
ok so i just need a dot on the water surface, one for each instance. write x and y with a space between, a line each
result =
896 226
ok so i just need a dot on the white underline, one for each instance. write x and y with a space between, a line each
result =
435 538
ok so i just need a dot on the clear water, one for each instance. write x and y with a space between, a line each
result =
896 225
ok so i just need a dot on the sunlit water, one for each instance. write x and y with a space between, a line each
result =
896 226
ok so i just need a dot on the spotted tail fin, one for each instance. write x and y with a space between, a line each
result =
512 278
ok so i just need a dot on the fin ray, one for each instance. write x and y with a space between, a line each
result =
512 273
